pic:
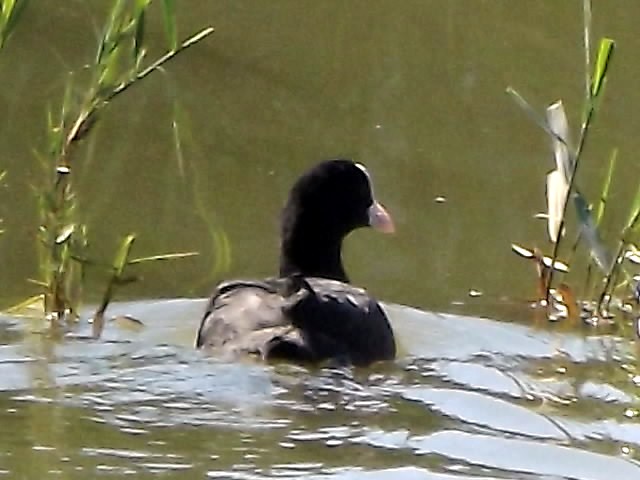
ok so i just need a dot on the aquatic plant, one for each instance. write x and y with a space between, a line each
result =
119 63
10 11
607 278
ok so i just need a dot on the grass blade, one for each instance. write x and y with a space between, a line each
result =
169 16
586 11
603 60
122 257
10 12
634 213
119 264
604 196
529 110
189 42
538 120
598 251
109 39
14 10
166 256
138 36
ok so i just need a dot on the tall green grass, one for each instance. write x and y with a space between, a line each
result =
119 63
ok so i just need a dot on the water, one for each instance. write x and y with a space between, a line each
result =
468 398
415 91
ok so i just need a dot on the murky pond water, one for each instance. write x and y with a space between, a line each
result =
468 398
415 90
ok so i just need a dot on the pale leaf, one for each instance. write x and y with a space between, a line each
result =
559 125
557 190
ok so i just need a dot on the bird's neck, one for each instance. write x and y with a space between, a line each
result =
311 251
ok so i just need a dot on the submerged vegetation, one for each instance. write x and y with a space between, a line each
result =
607 290
119 63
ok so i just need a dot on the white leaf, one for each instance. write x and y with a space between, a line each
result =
557 265
557 190
523 252
558 123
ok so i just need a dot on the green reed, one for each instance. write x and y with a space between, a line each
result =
119 63
10 11
120 276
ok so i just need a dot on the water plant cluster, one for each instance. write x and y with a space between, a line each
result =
607 289
119 63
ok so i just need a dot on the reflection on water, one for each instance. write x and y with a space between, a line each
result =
495 400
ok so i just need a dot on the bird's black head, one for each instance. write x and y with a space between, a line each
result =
325 204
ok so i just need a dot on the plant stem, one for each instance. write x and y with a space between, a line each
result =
158 63
586 10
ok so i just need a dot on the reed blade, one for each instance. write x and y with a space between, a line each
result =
139 16
122 256
169 17
10 12
598 251
634 213
166 256
606 186
529 110
603 60
587 17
